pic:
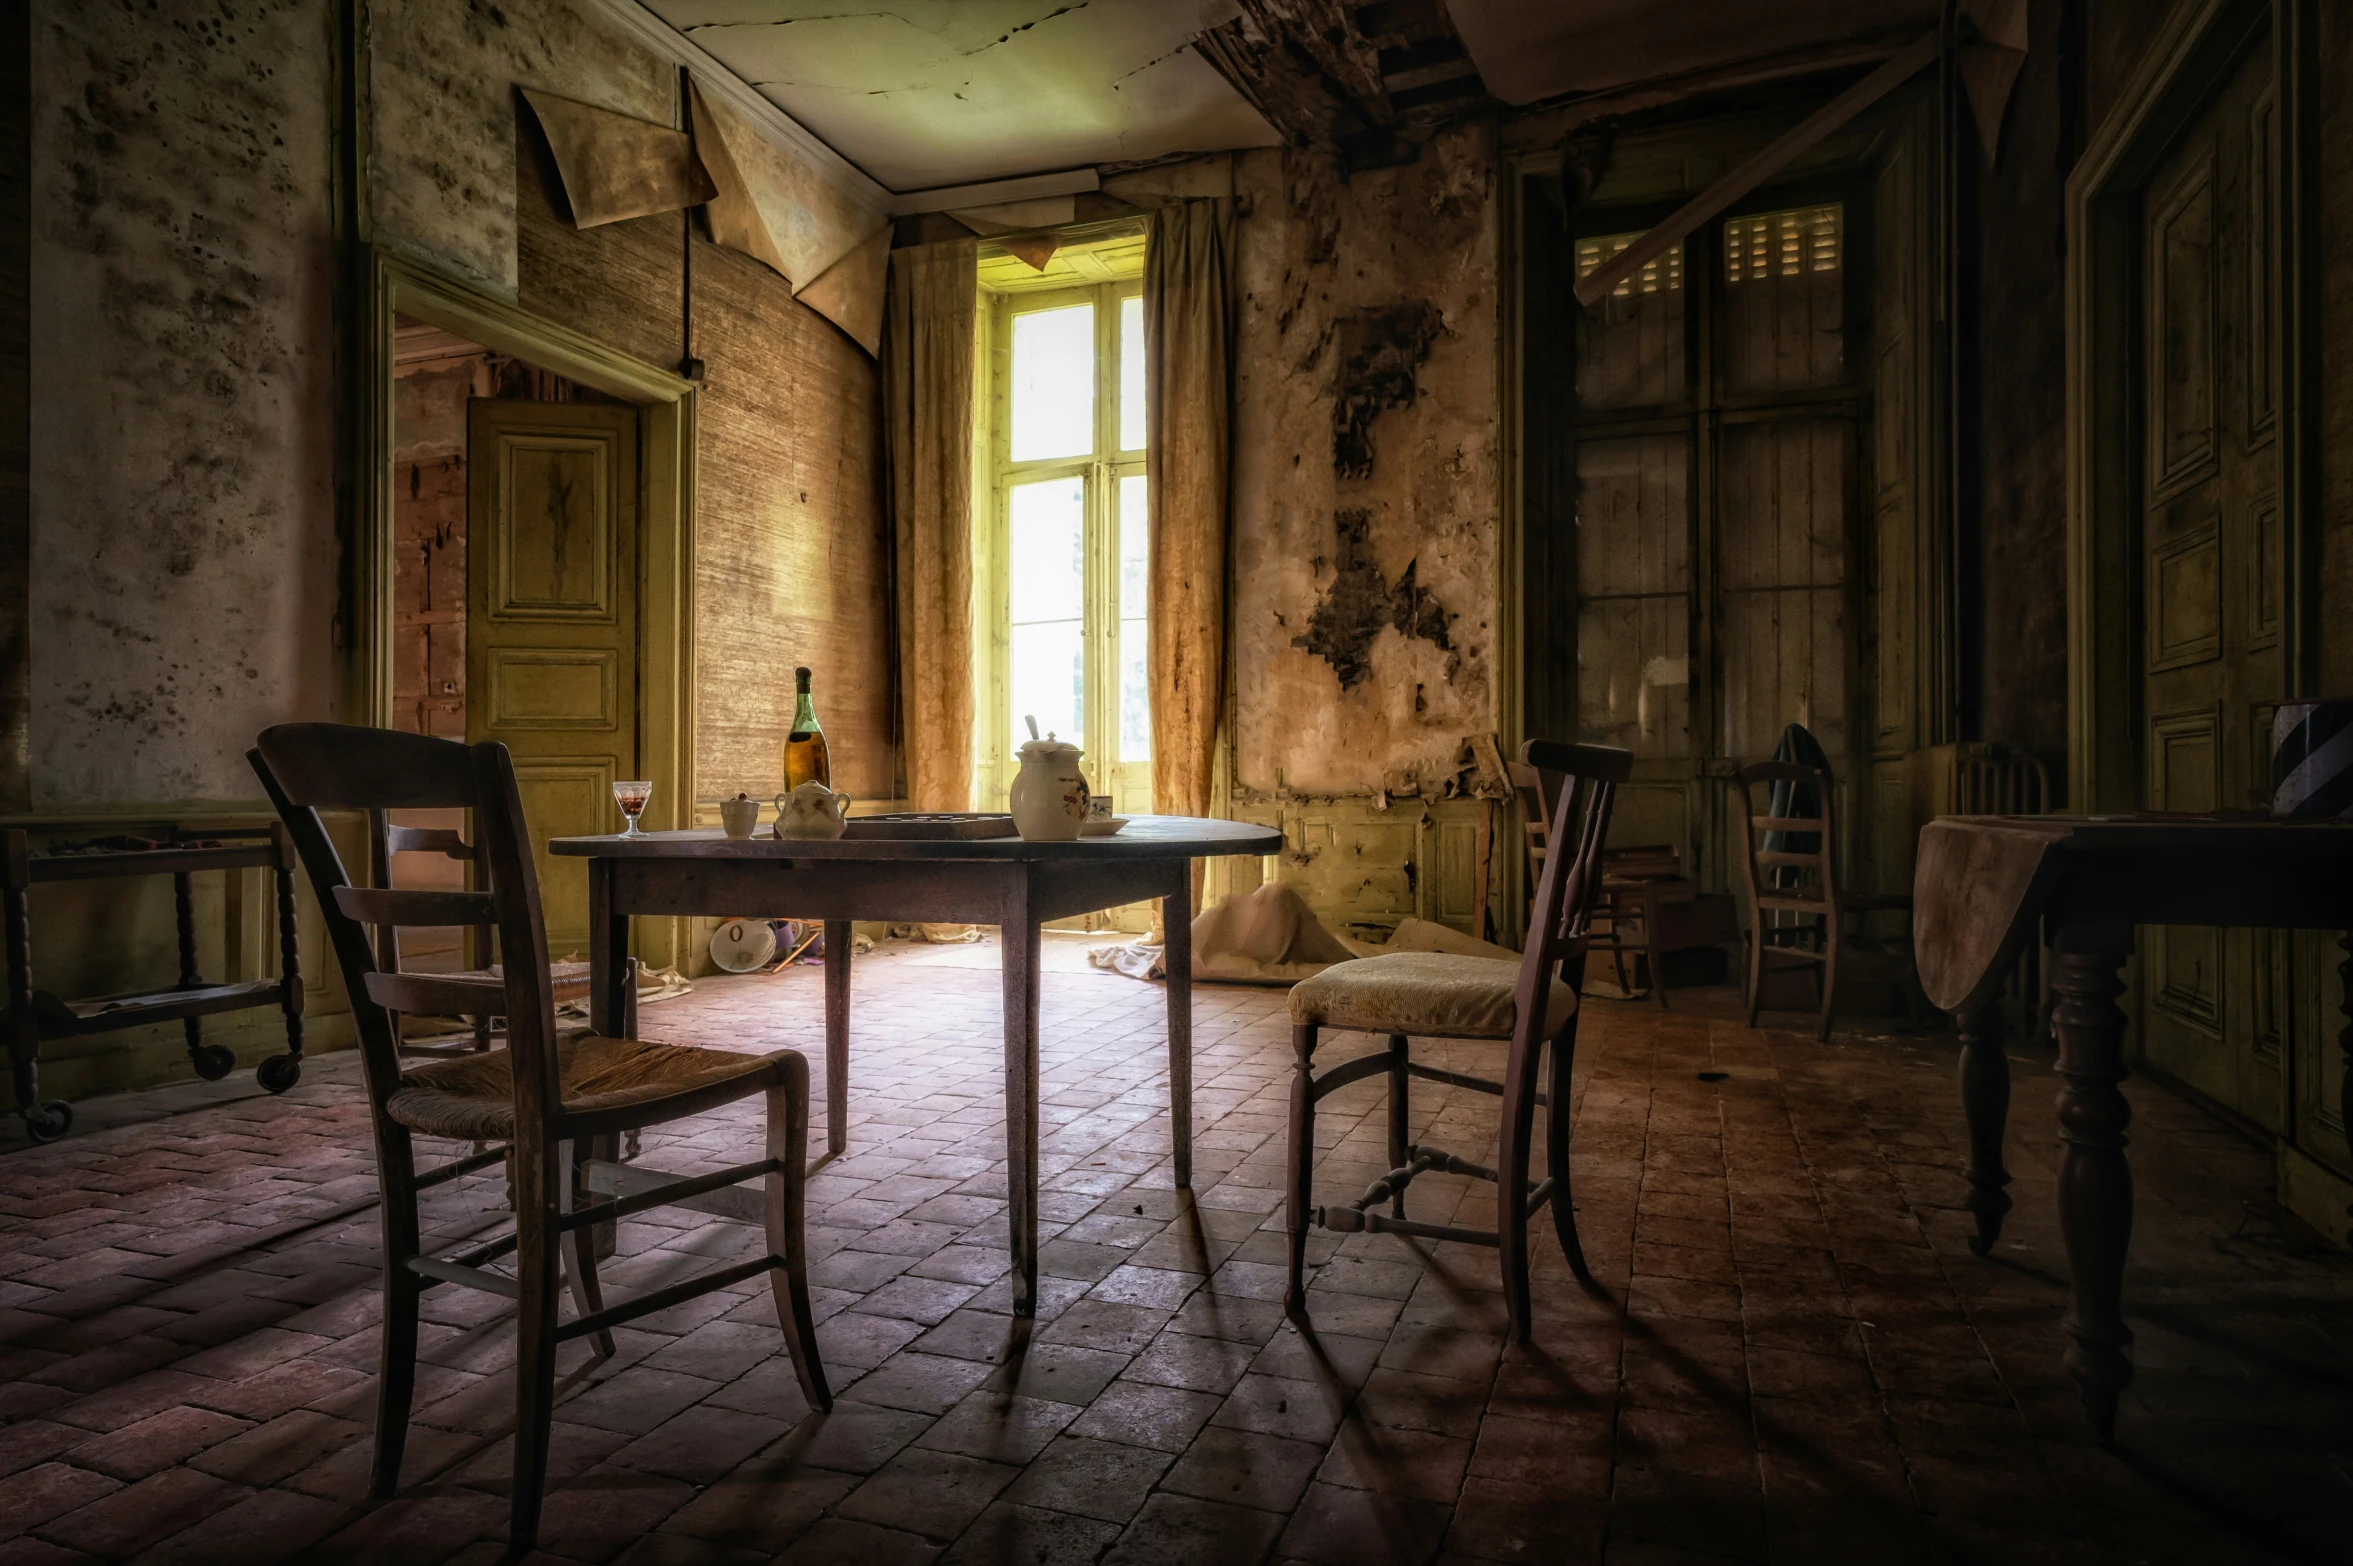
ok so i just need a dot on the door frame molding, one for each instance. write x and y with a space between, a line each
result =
667 410
2199 45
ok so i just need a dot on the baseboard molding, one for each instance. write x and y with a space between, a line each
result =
2317 1194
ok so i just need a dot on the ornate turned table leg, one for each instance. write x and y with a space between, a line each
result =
1985 1100
2095 1180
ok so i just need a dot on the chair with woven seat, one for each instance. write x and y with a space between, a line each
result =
1527 1004
541 1099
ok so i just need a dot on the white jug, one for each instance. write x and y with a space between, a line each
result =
1049 797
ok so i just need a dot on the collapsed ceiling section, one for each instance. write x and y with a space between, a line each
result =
927 93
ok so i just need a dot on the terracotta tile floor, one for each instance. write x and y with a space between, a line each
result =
1789 1355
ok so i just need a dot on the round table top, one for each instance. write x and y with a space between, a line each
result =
1144 837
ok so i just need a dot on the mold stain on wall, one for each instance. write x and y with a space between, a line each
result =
181 253
1365 485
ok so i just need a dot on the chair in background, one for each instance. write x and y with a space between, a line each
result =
1526 1004
1797 912
1646 907
568 981
1995 780
541 1099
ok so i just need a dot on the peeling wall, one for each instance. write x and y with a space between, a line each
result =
1366 498
442 80
184 558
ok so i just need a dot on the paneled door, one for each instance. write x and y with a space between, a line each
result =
551 622
2211 571
1719 402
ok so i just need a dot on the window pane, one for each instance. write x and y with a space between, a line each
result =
1049 554
1131 373
1784 293
1135 683
1631 353
1054 383
1049 678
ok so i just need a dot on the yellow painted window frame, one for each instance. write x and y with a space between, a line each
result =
1128 781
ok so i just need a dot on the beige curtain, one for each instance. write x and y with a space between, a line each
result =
1188 401
927 358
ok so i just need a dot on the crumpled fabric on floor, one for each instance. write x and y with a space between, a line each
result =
1271 936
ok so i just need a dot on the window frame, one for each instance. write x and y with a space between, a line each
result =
1100 470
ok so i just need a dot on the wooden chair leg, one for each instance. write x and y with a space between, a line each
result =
404 1291
787 1184
1832 940
1650 953
1400 1102
579 1247
1300 1166
1556 1149
538 1283
1756 967
1511 1181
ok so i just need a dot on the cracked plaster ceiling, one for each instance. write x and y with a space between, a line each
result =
926 93
1528 50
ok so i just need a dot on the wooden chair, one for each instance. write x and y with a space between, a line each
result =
1789 867
540 1099
1432 995
568 981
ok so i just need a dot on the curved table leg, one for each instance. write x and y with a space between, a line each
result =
2095 1180
1985 1100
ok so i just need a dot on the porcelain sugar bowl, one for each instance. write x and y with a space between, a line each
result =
812 811
1049 797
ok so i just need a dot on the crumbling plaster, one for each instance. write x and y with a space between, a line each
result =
1325 264
183 552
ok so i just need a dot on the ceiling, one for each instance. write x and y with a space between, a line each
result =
1528 50
926 93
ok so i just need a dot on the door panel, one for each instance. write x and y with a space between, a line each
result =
2210 597
551 632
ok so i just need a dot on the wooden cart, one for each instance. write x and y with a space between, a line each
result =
34 1015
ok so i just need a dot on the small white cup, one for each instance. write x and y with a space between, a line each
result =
740 815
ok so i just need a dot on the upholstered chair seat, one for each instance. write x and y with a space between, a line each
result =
1433 994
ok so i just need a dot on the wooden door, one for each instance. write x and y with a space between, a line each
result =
551 621
2211 579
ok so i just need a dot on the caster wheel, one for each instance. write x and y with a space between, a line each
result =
47 1122
278 1073
212 1061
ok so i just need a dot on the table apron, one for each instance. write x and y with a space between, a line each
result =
947 891
2276 892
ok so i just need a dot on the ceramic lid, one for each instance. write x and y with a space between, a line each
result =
1049 749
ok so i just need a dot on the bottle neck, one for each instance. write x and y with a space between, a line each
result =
804 714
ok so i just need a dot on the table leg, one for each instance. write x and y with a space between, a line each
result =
1017 930
1176 923
837 1036
2345 1043
1985 1100
2095 1180
608 955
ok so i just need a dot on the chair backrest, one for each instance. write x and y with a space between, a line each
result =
1787 861
1995 780
1576 812
1534 790
387 842
309 767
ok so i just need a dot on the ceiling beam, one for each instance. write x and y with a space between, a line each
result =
1775 156
989 193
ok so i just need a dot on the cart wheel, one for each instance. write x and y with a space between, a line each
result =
278 1073
47 1122
212 1061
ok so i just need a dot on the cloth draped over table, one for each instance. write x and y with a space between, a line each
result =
1188 402
927 369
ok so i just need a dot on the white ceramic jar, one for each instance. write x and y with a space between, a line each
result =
1049 796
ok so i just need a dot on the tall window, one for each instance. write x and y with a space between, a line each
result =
1064 542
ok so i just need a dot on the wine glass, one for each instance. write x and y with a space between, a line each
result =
632 797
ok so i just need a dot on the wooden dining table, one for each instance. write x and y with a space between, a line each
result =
1010 882
1986 887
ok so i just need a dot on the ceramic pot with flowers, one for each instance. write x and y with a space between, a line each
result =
812 813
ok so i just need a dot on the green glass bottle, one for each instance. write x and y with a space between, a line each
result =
806 759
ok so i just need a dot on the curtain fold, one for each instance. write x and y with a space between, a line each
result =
1188 402
928 365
